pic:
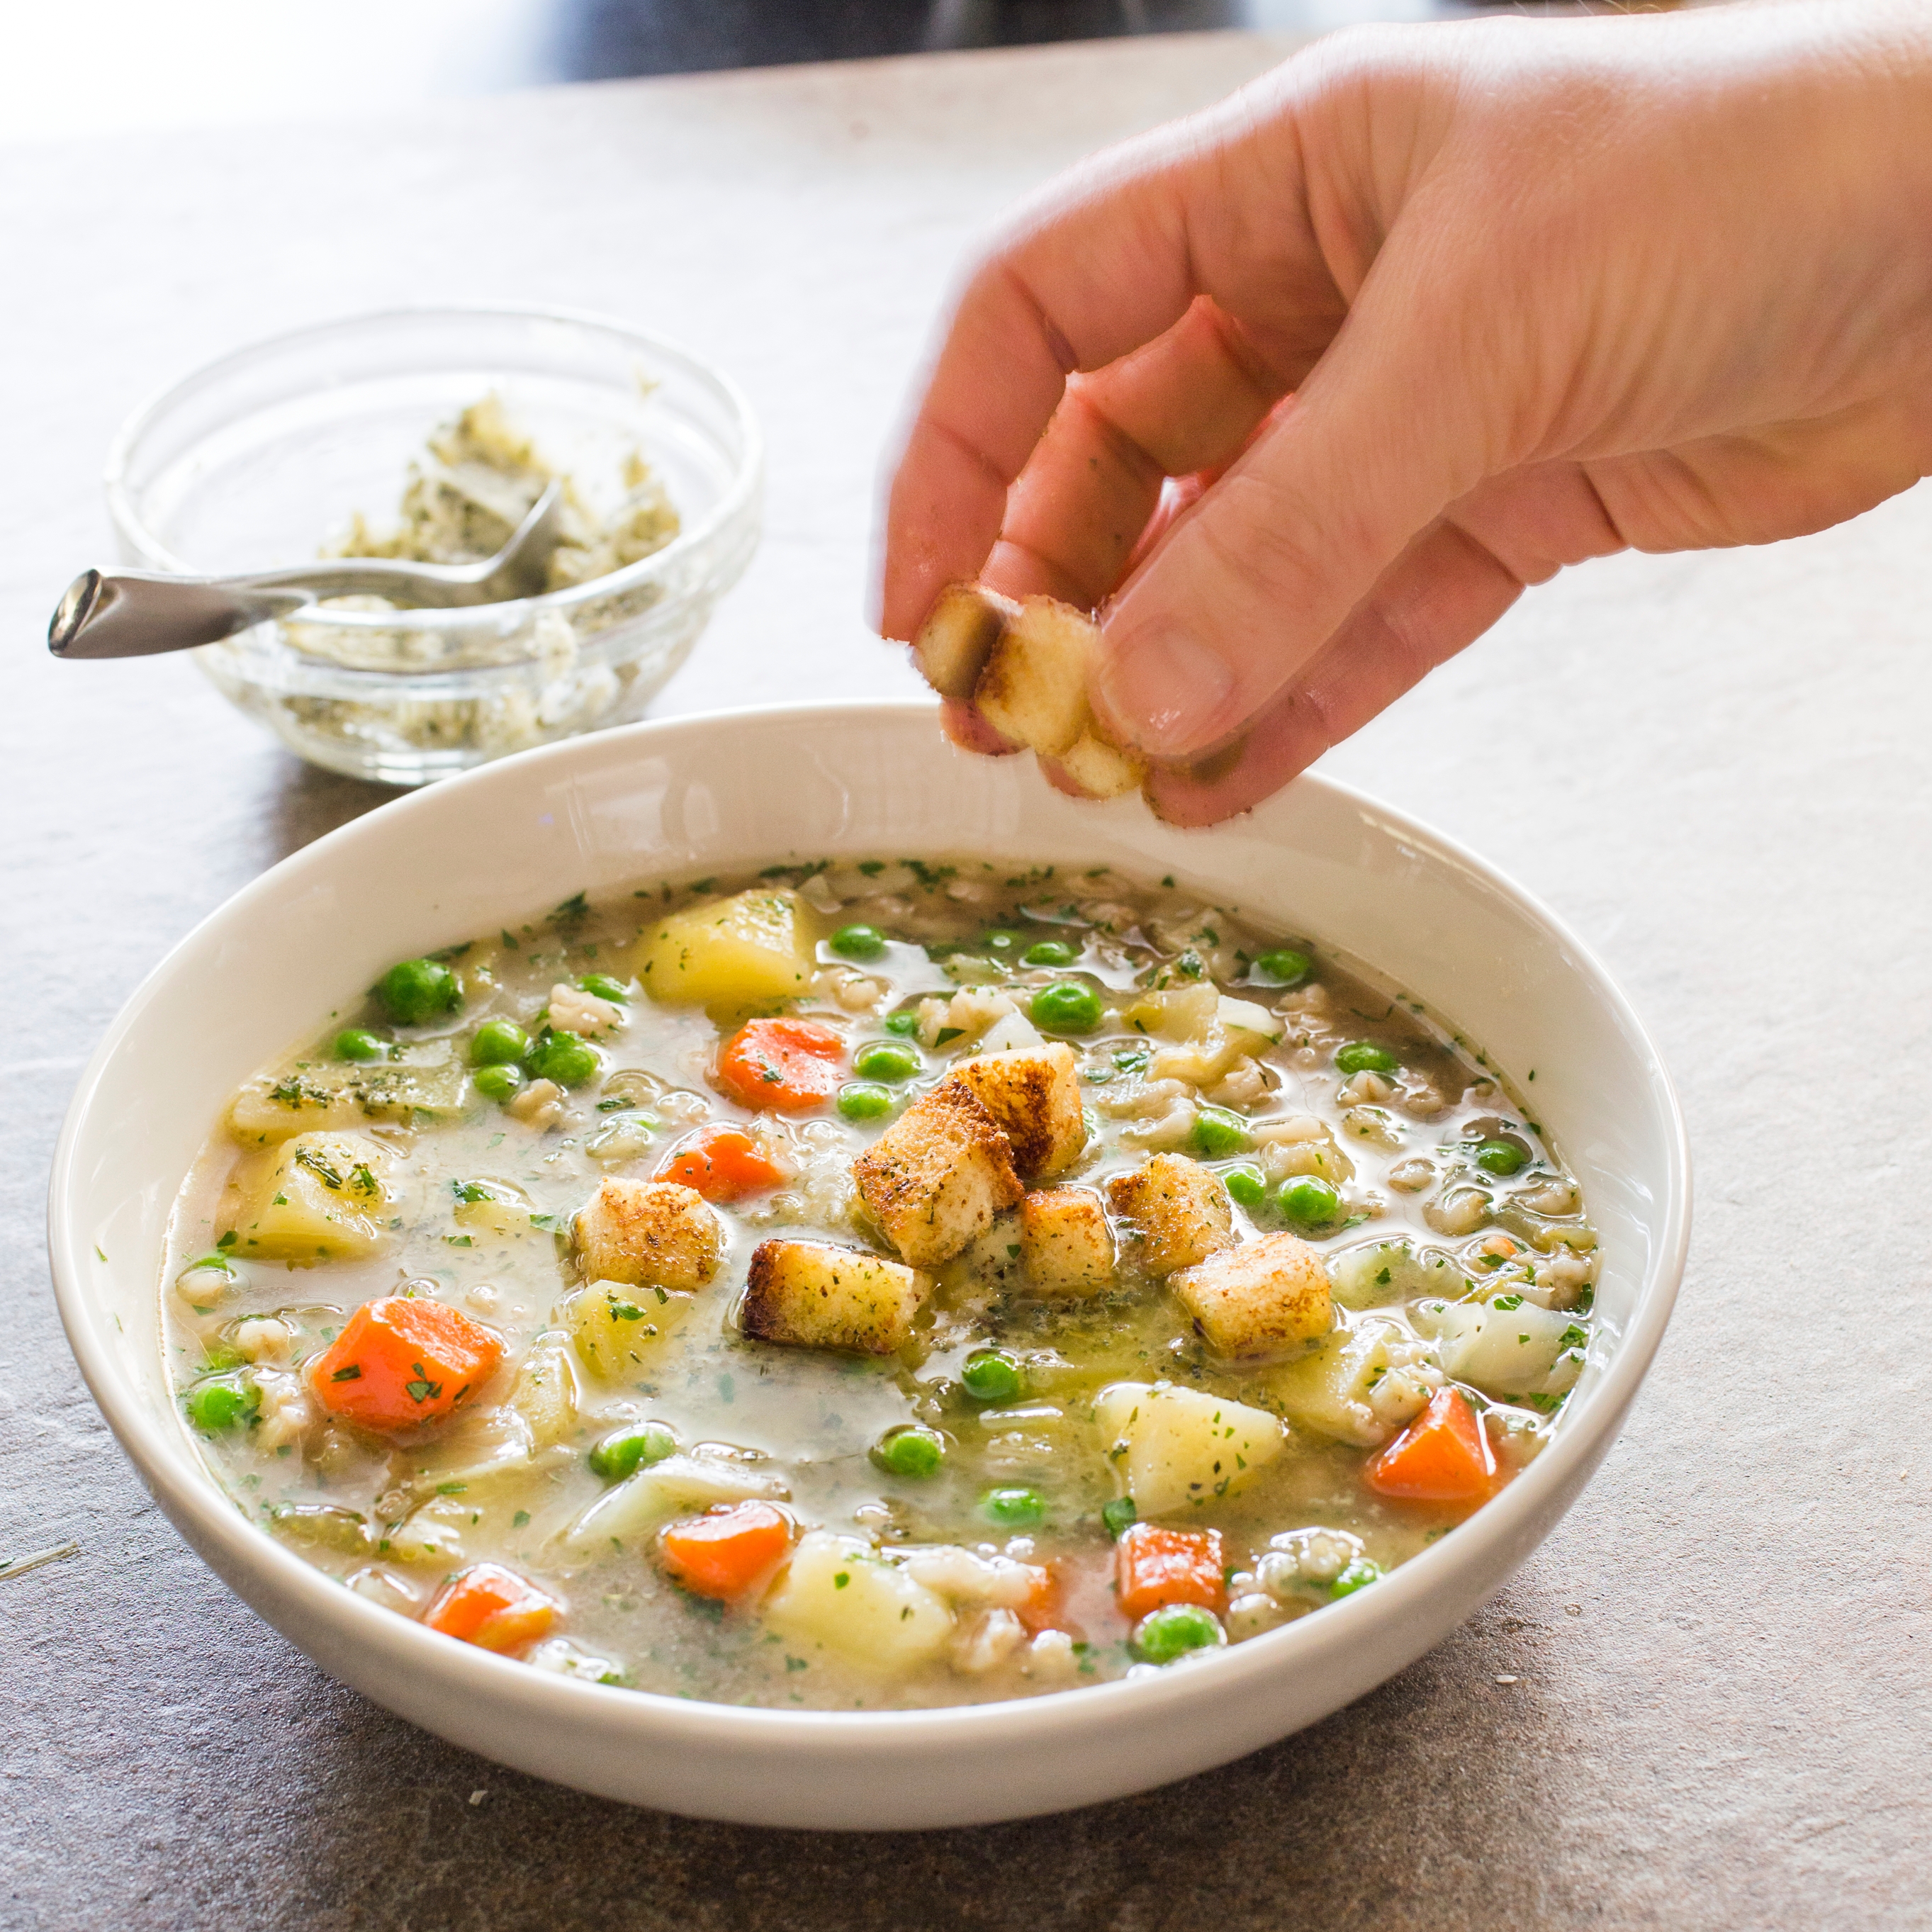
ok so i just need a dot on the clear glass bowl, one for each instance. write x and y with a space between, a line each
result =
259 458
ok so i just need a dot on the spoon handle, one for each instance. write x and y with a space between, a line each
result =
129 613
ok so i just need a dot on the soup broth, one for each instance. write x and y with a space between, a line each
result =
874 1285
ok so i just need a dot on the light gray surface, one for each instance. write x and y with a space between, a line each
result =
1715 766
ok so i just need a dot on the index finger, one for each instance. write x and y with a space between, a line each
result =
1108 260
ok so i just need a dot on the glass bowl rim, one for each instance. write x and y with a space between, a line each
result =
737 497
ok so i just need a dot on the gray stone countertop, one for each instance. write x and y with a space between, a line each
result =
1705 1702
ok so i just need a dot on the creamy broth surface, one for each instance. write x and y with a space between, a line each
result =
953 1519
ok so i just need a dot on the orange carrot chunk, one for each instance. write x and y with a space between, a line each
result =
789 1066
1443 1456
1155 1566
492 1607
1044 1608
403 1361
723 1164
726 1551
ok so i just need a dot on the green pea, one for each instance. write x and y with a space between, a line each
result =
1217 1133
992 1374
1500 1157
624 1451
885 1059
498 1043
865 1100
1175 1629
1359 1575
1050 953
604 987
910 1450
1363 1056
1282 967
1246 1186
903 1023
416 991
1308 1202
1118 1516
859 942
359 1043
220 1403
1002 944
499 1083
1066 1007
1014 1508
563 1058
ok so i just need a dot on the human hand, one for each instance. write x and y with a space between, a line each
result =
1311 386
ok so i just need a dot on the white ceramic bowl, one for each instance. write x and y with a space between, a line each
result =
742 790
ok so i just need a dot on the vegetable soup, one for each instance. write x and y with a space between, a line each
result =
874 1285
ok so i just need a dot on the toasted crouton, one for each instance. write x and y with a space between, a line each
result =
1254 1300
1033 1096
1066 1246
937 1175
954 642
1179 1209
1101 769
1033 686
649 1233
815 1295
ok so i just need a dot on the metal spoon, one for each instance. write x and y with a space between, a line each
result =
138 613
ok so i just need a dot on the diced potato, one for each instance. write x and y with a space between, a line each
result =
1179 1211
1180 1013
952 644
1033 1096
1524 1350
815 1294
1357 1385
640 1503
489 1207
837 1593
1066 1246
1380 1273
655 1233
1100 768
1032 687
1173 1450
324 1197
937 1175
1243 1016
546 1394
330 1096
618 1329
730 954
1254 1300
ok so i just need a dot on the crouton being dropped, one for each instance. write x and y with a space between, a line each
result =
1066 1246
1032 687
649 1233
1256 1299
1100 768
1033 1096
935 1178
954 642
1179 1208
813 1295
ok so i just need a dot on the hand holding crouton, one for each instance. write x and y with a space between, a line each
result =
1305 390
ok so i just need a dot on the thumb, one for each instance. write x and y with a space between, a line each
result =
1246 587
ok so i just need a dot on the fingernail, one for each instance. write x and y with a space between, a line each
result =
1168 690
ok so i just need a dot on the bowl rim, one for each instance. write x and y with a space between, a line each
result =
739 495
1480 1545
